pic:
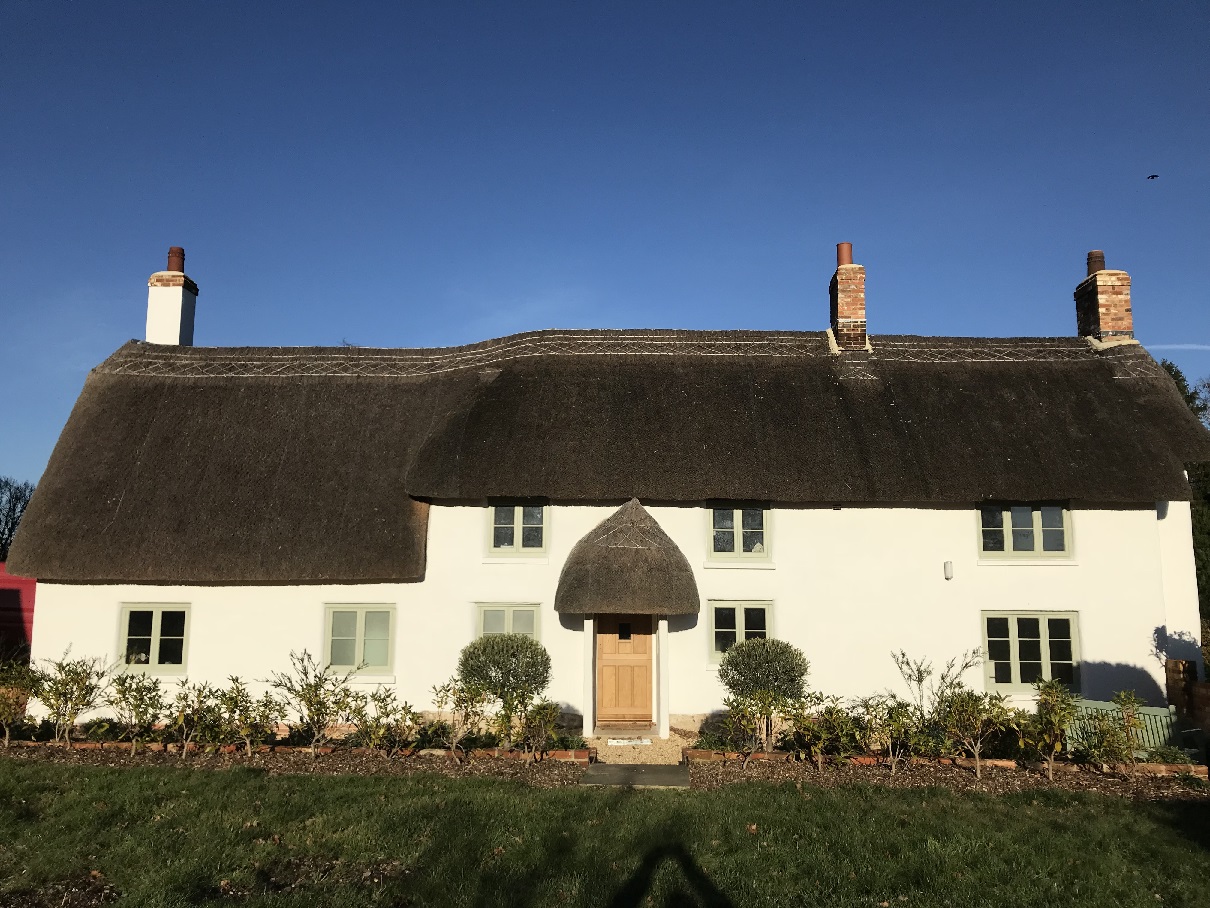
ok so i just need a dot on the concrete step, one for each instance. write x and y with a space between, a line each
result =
636 775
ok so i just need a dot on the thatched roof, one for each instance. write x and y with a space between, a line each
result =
278 465
627 565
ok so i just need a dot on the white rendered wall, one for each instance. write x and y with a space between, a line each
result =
170 314
848 586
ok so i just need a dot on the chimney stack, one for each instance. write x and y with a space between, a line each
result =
848 300
171 300
1103 302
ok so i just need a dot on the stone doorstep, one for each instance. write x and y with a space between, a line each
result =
637 775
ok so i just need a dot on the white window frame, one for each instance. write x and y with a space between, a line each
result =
157 609
1036 554
740 630
1017 685
739 556
509 608
516 550
360 608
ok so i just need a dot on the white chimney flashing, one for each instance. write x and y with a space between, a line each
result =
171 301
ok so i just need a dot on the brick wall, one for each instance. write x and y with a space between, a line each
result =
1190 697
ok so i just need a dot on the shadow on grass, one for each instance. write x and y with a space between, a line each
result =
1190 819
694 889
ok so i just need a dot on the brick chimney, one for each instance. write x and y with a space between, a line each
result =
1103 302
848 300
171 299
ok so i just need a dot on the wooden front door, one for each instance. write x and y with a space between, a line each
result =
623 668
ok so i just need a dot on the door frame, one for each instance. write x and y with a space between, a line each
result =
660 675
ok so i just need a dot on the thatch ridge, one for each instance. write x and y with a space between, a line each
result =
627 564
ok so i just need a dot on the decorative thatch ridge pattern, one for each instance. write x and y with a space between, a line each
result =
627 565
308 465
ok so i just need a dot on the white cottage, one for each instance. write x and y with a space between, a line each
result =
636 500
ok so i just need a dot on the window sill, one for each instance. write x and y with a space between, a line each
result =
753 565
516 559
1031 562
372 679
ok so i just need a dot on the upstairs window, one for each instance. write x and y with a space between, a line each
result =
739 533
1026 647
518 529
1024 531
154 637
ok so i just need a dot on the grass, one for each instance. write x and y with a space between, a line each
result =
179 837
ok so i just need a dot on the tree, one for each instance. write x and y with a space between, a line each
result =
766 679
1197 397
14 496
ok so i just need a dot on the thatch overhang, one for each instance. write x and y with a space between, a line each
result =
628 565
184 465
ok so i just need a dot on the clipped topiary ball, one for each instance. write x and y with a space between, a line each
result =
513 668
758 667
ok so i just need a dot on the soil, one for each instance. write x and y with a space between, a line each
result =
995 781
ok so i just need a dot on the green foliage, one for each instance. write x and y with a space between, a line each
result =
745 726
972 718
137 702
318 695
194 717
1099 739
1166 753
17 684
512 669
381 722
928 734
821 728
538 726
1196 397
248 720
767 668
69 688
465 704
887 725
1044 735
1128 705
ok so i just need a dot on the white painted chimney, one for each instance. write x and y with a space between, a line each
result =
171 300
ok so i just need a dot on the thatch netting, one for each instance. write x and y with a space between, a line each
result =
627 564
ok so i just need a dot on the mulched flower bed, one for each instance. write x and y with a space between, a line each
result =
996 780
547 773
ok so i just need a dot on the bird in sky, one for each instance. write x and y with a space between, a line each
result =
1154 176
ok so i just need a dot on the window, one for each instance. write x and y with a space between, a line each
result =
731 622
508 619
739 533
518 529
1024 530
153 636
1024 647
360 638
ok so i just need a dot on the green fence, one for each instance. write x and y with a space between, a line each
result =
1159 723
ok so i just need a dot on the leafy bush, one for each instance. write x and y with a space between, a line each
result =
68 688
887 725
381 722
1044 734
137 701
249 721
821 728
926 696
766 679
972 718
538 727
1100 739
1166 753
318 695
511 669
1128 705
466 705
18 682
194 716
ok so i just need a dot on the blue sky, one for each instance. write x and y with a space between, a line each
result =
418 174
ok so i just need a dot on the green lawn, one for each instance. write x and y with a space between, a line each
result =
173 836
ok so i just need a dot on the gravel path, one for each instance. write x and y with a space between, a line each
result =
660 750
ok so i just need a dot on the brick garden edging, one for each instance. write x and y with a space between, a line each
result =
692 755
581 757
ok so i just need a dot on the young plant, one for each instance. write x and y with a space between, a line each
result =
1099 738
1045 734
512 669
1129 705
538 727
68 688
768 677
18 682
251 721
887 725
137 701
744 726
927 695
318 695
194 716
381 722
467 706
972 719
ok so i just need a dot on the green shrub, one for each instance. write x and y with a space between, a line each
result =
380 722
1128 705
318 695
137 701
926 696
1044 734
194 716
68 688
511 669
745 726
18 682
821 728
972 718
1100 739
538 726
887 725
466 705
249 721
1166 753
766 679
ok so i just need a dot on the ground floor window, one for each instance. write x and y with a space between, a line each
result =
1023 648
495 618
732 621
359 637
154 636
